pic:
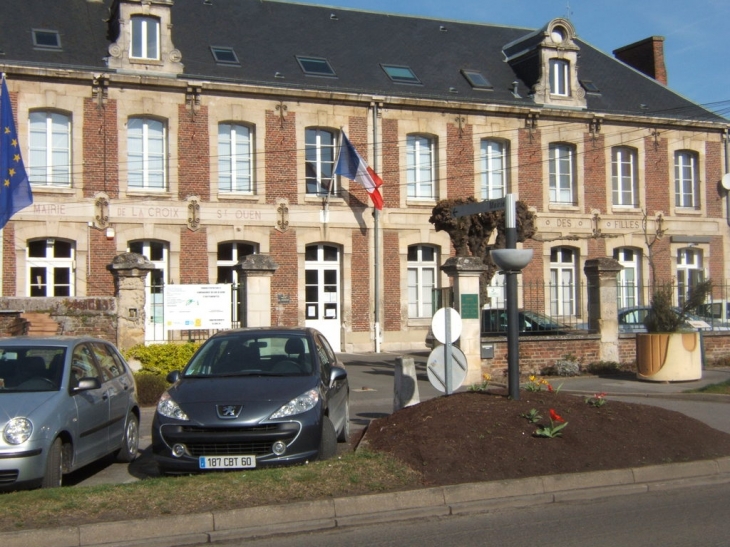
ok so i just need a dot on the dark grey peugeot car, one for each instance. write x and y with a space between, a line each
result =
253 397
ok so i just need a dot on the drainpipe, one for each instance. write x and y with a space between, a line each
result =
726 176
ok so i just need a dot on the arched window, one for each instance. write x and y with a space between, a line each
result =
493 168
686 179
145 39
560 77
562 173
49 160
420 166
146 151
235 158
320 161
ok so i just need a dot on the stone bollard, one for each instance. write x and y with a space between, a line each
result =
405 387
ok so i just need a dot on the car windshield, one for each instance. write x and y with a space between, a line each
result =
31 368
540 321
252 354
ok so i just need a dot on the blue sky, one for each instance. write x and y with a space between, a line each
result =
695 32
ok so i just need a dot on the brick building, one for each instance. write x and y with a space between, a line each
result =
197 132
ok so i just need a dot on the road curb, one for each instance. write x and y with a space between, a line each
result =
442 501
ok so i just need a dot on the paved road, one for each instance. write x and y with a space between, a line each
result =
371 378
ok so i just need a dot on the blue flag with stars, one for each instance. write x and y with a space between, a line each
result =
15 193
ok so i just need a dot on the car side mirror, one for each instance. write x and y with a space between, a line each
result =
86 384
337 374
173 377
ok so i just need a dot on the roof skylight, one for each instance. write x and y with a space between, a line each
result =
316 66
589 86
401 74
46 39
224 55
476 79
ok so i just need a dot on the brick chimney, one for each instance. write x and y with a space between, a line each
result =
646 56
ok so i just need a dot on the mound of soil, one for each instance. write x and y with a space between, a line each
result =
483 436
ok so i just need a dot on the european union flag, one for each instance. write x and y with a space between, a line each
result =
15 193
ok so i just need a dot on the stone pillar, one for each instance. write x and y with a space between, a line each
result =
256 271
405 385
464 272
603 304
130 271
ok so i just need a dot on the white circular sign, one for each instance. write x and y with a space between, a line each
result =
436 368
726 181
438 325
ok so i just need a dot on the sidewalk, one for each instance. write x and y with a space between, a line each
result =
240 524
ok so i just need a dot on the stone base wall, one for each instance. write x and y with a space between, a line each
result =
92 316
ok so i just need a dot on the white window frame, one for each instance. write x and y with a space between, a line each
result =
422 280
624 176
147 162
690 271
238 253
494 168
562 173
235 158
144 40
563 281
628 279
420 166
686 179
559 77
49 144
320 162
50 264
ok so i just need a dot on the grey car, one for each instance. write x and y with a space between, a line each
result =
64 403
251 398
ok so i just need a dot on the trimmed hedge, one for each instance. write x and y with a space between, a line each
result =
161 359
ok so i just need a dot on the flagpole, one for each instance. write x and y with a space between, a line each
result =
376 236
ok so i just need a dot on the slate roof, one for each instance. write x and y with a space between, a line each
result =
267 35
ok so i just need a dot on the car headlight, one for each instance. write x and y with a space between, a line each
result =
304 402
169 408
17 430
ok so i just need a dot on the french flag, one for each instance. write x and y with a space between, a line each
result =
352 166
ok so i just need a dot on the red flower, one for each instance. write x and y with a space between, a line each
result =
554 416
550 388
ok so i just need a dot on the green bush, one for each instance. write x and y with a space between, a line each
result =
161 359
149 387
604 367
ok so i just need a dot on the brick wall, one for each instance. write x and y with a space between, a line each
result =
9 265
529 159
194 256
193 146
99 280
594 173
284 281
391 164
459 161
101 149
360 296
281 161
358 136
391 288
656 172
712 176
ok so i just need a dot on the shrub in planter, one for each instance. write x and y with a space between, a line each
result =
161 359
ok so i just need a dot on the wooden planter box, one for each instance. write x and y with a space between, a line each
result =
670 357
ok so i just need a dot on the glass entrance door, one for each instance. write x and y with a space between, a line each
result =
322 291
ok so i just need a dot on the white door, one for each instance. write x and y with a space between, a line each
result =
322 291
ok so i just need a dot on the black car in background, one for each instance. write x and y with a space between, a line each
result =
494 322
251 398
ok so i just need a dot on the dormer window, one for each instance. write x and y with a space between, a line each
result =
145 42
558 34
559 77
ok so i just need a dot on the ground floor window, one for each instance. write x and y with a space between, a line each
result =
689 272
422 265
629 279
563 290
50 265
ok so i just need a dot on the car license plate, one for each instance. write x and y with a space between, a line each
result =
227 462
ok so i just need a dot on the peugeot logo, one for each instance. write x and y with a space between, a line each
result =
229 411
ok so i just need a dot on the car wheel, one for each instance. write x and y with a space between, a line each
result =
344 435
328 442
54 466
130 443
